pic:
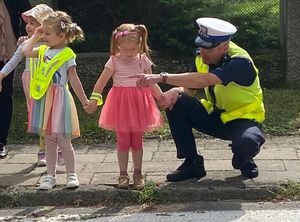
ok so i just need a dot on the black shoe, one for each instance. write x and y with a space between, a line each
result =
238 161
250 170
188 169
3 151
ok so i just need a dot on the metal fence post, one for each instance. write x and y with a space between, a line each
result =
292 42
283 35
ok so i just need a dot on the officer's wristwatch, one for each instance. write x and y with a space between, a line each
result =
164 77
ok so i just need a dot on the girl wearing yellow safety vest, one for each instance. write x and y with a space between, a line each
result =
53 111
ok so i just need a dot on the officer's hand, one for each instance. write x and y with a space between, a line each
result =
144 80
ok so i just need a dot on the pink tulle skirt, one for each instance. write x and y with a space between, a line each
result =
130 109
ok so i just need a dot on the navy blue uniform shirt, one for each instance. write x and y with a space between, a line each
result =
238 70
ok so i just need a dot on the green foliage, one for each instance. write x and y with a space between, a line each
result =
282 111
271 69
99 18
83 46
171 23
282 118
257 22
148 194
177 28
290 191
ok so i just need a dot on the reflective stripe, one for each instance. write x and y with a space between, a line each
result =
238 113
207 105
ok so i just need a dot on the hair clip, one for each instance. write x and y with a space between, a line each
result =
62 25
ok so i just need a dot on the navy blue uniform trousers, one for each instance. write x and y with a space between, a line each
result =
6 105
188 113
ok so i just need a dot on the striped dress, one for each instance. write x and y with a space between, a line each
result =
128 108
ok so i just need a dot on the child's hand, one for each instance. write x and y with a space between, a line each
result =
86 106
94 105
38 33
169 98
21 40
2 76
92 108
162 102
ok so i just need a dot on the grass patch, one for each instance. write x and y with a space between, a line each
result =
282 111
289 191
147 195
282 118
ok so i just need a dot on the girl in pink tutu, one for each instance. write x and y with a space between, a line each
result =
129 110
53 111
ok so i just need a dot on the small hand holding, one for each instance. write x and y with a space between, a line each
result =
86 106
92 107
170 98
21 40
162 101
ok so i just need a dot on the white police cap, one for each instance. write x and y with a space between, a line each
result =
213 31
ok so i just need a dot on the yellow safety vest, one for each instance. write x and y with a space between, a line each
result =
41 73
235 101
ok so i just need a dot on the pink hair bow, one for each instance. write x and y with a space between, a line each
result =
125 33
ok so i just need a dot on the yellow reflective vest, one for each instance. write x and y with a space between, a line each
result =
41 73
235 101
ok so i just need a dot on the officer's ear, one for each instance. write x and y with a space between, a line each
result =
226 46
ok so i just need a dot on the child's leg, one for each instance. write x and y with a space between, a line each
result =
51 154
69 157
60 157
41 154
137 151
68 153
26 82
42 144
137 158
123 146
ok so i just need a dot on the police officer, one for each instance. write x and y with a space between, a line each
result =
233 109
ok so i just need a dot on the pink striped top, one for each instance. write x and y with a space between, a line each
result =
123 68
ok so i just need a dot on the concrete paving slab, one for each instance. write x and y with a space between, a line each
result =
98 170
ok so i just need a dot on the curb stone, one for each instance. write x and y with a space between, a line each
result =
108 195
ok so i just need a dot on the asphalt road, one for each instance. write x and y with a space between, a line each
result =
187 212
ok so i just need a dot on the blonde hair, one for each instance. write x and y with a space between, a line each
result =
62 23
132 32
